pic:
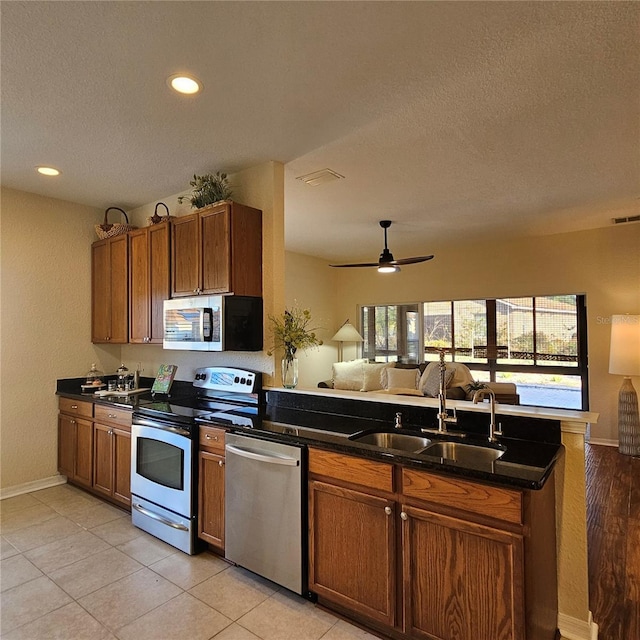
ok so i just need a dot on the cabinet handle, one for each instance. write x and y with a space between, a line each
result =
221 463
387 510
73 422
110 432
403 515
74 406
112 415
210 437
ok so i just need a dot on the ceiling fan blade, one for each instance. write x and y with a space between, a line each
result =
362 264
414 260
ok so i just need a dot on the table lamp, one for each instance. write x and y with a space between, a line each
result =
346 333
624 360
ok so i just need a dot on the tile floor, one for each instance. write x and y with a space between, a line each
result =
73 567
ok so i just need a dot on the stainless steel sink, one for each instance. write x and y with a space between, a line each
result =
463 453
393 440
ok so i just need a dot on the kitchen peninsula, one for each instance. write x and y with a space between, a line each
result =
563 426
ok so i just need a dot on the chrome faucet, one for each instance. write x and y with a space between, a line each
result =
443 416
480 394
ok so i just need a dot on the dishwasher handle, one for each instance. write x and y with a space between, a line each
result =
262 457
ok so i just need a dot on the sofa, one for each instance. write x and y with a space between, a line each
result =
413 379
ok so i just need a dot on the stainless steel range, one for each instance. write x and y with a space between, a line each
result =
164 449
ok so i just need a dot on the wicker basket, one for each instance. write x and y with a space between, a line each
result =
109 230
156 219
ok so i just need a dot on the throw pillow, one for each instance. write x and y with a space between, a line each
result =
404 378
372 375
430 380
348 375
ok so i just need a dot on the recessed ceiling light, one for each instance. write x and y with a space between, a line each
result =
48 171
184 84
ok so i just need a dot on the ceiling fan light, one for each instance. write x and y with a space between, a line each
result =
388 268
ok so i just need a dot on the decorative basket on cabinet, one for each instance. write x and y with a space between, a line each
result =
109 230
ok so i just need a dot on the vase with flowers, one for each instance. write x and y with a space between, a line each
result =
292 332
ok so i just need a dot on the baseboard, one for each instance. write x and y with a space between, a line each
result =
35 485
574 629
604 442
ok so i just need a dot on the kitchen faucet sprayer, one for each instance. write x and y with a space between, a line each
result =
480 394
443 417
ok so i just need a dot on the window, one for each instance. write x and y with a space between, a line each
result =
539 343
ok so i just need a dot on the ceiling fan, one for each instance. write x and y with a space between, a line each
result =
386 262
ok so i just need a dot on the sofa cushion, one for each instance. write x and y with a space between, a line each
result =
401 378
348 375
372 375
430 380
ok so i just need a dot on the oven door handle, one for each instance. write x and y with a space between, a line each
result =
261 457
159 518
143 422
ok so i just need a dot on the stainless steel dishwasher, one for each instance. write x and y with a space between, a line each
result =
265 523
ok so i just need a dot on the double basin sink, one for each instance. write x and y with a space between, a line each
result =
452 451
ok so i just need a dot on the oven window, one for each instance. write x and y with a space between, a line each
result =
161 463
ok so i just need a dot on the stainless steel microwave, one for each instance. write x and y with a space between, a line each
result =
213 323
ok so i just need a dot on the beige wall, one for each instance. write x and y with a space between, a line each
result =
603 263
45 313
45 302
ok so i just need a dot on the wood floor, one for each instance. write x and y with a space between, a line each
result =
613 516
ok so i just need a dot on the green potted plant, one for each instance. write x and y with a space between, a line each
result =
208 189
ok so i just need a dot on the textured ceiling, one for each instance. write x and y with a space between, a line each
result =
455 120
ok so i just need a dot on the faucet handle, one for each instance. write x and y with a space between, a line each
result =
398 422
498 431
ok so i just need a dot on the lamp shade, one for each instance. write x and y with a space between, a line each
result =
347 333
624 354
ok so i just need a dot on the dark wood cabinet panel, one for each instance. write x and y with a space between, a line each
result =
75 449
211 499
102 459
122 466
352 550
463 581
110 290
218 249
149 282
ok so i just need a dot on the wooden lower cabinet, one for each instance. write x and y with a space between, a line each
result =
211 487
352 550
75 449
112 462
462 580
421 555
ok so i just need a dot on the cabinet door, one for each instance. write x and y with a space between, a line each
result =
139 286
119 257
211 499
100 292
122 466
352 550
159 279
66 445
462 581
83 471
216 255
103 459
185 255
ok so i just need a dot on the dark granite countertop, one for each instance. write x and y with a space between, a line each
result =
532 446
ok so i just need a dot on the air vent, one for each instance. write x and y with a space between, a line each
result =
319 177
623 220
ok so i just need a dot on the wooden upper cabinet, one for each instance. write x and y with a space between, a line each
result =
185 255
149 282
109 290
217 250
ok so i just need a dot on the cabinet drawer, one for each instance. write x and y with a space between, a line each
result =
76 407
110 415
366 473
212 438
481 499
